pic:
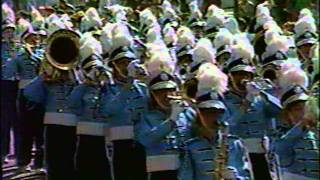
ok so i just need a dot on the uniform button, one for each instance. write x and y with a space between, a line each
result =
60 110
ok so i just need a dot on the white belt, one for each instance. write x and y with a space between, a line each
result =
90 128
119 133
291 176
65 119
163 162
23 83
253 145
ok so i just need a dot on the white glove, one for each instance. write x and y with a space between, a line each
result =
135 69
177 106
252 90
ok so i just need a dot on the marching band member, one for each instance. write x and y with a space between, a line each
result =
250 110
51 89
87 101
212 153
305 37
195 20
30 113
203 52
9 87
274 56
297 148
184 51
169 15
222 43
215 20
262 17
125 103
157 129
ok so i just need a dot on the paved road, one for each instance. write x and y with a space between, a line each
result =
11 172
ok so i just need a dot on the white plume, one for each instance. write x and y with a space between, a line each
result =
215 20
288 64
304 24
242 49
269 35
232 25
204 52
90 20
169 35
305 12
195 11
37 19
8 13
223 37
169 13
262 10
118 11
278 43
52 17
185 36
155 47
166 5
262 19
147 18
160 61
121 36
57 24
153 34
106 37
272 25
213 9
89 45
23 26
211 78
291 77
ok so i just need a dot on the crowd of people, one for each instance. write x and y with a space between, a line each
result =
154 93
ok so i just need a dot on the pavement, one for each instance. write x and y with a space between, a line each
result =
10 170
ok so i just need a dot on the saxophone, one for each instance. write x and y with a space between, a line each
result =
221 157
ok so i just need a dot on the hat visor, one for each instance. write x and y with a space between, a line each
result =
122 55
275 62
246 68
298 97
198 24
164 85
9 26
306 41
223 51
211 104
186 52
